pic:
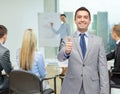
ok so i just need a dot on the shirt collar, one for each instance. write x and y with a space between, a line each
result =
86 33
1 43
118 41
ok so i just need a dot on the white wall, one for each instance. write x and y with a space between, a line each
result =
18 15
51 5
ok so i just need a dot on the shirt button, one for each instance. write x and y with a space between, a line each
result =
81 75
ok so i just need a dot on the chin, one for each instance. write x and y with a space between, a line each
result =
82 28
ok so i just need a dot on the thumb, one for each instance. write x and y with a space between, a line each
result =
69 39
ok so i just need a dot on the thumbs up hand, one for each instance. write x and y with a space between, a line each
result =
68 46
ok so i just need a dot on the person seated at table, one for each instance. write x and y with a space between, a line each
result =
5 63
29 59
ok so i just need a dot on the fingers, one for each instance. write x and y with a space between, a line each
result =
68 39
68 45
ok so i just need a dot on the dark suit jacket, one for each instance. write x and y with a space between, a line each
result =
4 61
116 56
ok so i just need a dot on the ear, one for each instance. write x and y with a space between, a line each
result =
5 37
114 35
75 21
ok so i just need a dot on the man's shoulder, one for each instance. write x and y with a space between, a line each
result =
3 49
95 36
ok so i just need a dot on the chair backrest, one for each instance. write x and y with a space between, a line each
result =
4 91
114 82
23 82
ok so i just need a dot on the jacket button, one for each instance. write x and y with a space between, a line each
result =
81 75
83 65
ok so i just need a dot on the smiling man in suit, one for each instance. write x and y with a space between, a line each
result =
87 71
115 54
5 63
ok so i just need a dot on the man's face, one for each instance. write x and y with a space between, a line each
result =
114 35
82 20
63 19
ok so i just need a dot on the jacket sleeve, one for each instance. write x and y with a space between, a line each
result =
103 71
110 56
5 62
41 65
62 56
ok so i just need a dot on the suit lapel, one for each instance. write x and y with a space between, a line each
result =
89 46
77 45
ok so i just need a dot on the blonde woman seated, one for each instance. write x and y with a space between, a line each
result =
29 59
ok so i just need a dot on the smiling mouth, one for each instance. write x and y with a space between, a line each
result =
82 24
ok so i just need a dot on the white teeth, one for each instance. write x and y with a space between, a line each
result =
82 24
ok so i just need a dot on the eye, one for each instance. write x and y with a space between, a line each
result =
86 17
79 16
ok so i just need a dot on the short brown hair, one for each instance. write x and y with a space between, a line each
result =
83 9
63 15
116 29
3 30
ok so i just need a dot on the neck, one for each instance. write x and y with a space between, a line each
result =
82 30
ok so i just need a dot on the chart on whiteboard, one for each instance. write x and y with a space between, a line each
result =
46 36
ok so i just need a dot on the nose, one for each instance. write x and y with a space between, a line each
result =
82 19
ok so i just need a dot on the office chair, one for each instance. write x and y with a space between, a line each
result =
61 77
23 82
113 85
4 91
